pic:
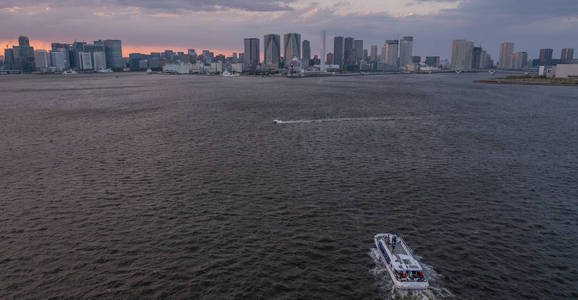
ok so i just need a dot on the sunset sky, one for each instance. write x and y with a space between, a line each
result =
220 25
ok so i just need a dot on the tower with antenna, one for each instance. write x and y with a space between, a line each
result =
322 64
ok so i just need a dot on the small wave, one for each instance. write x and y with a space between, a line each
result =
434 291
343 120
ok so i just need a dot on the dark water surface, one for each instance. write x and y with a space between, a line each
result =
182 186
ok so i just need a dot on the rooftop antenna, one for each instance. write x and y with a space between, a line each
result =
323 50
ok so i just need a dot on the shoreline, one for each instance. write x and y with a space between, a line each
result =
546 82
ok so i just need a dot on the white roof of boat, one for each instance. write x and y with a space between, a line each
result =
405 262
401 258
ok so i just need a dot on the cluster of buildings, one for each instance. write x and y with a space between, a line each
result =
466 57
81 56
349 54
287 53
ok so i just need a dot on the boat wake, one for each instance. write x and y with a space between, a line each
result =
388 290
391 118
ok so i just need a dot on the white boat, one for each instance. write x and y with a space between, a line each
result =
229 74
404 270
69 72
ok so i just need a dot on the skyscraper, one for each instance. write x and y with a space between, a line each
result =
99 60
306 53
477 58
330 58
373 53
462 54
405 50
348 58
358 51
41 60
338 56
519 60
58 60
546 57
292 44
506 50
252 54
432 61
391 52
323 51
272 55
23 41
113 54
22 56
567 56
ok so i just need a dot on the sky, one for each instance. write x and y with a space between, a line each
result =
221 25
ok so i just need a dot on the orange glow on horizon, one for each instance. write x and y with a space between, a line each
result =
126 49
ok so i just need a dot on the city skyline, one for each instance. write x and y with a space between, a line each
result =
433 24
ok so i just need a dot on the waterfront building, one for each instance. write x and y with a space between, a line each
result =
330 59
113 54
506 51
41 60
546 57
357 51
22 56
58 60
306 48
477 58
292 46
462 55
391 53
405 50
373 54
69 58
348 44
432 61
416 59
338 48
85 61
272 51
519 60
76 48
252 53
99 60
9 62
567 56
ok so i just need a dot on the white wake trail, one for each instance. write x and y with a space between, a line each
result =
390 118
434 291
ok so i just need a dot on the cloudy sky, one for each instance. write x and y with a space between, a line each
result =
220 25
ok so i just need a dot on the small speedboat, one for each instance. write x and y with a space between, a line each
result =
404 270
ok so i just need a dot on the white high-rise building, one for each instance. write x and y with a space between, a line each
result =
58 60
373 53
41 60
85 61
462 55
506 52
405 51
99 60
391 52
